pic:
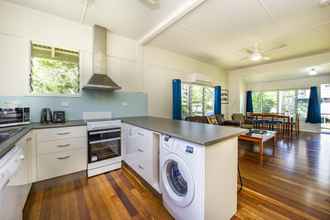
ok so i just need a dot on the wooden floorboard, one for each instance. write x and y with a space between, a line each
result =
293 184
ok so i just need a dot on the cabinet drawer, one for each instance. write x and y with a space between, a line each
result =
58 164
60 133
140 168
62 145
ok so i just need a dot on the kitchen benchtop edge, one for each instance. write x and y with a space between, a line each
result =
194 132
201 134
7 145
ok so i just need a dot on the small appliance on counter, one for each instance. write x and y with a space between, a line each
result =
59 117
46 116
14 116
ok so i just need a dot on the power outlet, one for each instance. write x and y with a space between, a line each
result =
65 104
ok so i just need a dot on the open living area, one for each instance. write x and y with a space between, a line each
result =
165 109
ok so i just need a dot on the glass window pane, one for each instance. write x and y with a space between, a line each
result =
302 102
185 100
209 101
325 105
257 101
325 91
54 71
287 100
269 102
196 100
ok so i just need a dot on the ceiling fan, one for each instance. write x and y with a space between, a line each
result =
150 3
255 54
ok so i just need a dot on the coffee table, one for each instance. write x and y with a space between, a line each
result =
259 137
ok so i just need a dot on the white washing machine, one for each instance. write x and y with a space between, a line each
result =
182 178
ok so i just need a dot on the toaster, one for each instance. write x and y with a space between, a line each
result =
58 117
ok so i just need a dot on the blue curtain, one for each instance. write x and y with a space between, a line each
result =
176 111
249 103
314 107
217 100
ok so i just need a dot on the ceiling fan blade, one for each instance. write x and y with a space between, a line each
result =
282 46
266 58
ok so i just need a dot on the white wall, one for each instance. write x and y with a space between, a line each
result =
306 82
135 68
161 66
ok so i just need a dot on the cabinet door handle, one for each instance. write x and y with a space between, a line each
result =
141 167
140 150
104 140
63 158
63 145
141 134
63 133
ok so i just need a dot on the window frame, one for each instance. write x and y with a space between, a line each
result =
278 108
324 115
31 94
190 98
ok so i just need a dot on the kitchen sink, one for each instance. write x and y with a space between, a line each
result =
5 134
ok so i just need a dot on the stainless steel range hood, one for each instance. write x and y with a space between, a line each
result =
100 80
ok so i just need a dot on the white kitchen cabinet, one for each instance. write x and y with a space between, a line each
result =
61 145
61 163
141 152
53 134
25 174
61 151
22 181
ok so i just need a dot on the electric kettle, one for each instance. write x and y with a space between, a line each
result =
46 116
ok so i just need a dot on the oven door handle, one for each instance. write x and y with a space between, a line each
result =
104 140
104 132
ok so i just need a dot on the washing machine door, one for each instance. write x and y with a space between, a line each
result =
177 180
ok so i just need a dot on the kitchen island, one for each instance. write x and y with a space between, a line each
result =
193 165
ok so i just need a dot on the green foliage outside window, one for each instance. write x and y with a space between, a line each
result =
264 101
54 71
197 100
281 101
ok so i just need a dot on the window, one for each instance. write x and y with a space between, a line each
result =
302 102
54 71
269 102
257 101
325 105
265 101
197 100
281 101
287 100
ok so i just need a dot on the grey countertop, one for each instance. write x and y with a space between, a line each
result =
7 145
198 133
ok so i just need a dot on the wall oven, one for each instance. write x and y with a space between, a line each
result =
104 147
14 116
104 144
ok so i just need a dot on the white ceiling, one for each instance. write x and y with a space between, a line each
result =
130 18
218 30
288 69
215 32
